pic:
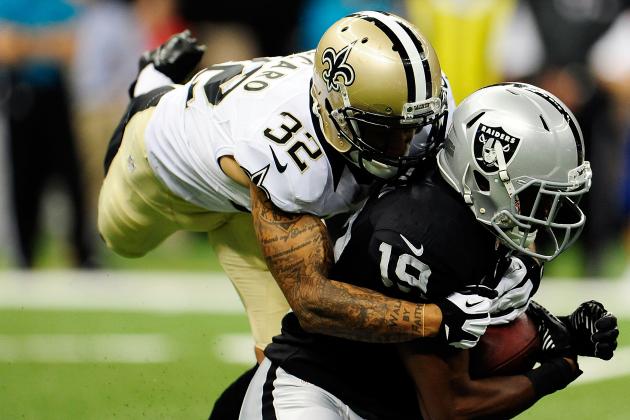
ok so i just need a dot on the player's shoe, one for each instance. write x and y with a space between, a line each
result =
176 58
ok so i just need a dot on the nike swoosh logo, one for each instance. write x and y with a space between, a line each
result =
470 305
416 251
281 168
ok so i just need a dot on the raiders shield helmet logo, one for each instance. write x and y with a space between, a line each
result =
337 66
484 147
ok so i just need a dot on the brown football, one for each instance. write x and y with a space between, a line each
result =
508 349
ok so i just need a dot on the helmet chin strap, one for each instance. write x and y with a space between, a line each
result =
346 104
375 168
515 233
503 173
467 192
517 236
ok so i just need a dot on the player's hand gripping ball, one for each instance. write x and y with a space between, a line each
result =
507 349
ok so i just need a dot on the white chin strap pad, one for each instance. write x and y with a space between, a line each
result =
517 236
377 169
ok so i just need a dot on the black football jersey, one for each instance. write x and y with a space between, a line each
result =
418 241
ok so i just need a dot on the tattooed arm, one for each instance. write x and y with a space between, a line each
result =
299 253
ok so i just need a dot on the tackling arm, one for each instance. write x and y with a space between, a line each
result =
298 252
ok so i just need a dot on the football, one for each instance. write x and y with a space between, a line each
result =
508 349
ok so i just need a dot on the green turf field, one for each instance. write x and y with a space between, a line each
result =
186 251
182 388
185 386
97 363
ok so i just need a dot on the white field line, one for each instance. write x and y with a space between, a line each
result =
598 370
155 348
235 348
213 292
118 291
563 296
101 348
175 292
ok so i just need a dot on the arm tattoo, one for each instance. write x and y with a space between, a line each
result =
298 253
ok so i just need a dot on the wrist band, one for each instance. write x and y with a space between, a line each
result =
552 376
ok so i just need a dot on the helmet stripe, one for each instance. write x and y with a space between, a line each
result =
406 49
425 63
562 109
577 134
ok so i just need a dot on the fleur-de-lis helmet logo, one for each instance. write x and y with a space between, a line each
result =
337 66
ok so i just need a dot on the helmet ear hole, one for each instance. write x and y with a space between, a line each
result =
482 182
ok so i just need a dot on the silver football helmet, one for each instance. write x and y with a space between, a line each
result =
516 155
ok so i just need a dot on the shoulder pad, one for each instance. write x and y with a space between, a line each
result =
292 184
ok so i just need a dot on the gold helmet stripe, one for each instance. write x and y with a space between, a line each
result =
409 53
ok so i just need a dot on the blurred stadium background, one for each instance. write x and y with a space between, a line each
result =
87 334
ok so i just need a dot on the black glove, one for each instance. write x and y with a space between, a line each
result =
176 58
552 375
593 330
465 316
555 336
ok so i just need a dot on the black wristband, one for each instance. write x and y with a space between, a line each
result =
552 376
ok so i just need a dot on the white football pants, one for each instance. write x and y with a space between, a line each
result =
275 394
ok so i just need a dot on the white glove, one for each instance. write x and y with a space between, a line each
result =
515 289
465 316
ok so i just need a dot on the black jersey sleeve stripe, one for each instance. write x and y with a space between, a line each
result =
137 104
268 411
425 62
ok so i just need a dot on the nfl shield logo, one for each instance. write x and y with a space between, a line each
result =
485 147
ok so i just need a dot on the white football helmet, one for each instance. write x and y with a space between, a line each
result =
516 155
376 82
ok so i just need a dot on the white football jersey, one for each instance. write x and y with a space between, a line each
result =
259 112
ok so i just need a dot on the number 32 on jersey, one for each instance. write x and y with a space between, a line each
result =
302 147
